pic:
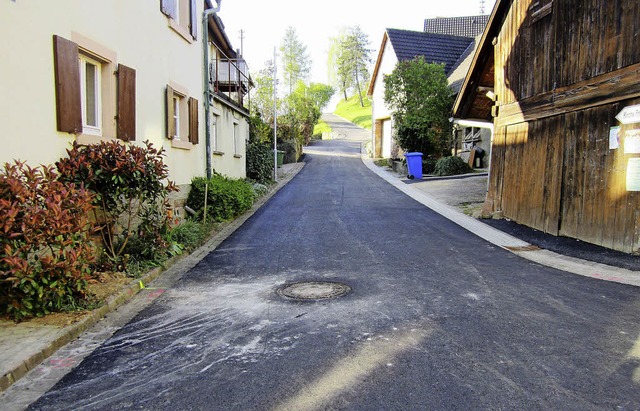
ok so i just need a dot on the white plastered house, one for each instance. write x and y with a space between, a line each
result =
449 41
92 70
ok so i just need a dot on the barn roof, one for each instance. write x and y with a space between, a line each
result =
471 102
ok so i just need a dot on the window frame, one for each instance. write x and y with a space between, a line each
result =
116 92
181 124
236 134
184 25
175 132
91 129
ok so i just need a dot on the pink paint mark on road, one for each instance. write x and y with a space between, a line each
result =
606 277
155 294
62 362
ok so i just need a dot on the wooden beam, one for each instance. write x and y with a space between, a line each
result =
607 88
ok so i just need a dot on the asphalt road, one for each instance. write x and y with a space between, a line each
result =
437 318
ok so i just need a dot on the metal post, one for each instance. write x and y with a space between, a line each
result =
275 122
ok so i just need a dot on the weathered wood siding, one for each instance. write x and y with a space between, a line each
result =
563 70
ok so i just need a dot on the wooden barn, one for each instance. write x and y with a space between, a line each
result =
560 81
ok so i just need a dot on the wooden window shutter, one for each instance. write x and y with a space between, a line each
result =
67 83
126 115
169 112
193 120
193 26
169 7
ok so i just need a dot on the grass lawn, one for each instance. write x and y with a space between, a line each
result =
352 111
321 127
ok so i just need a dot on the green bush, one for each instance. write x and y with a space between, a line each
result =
226 198
259 189
190 234
290 149
450 166
259 162
129 184
429 165
45 252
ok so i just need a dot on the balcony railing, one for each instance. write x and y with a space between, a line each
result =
229 79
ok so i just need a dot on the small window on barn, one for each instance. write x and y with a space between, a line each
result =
539 9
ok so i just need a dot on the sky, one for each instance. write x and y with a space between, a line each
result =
264 23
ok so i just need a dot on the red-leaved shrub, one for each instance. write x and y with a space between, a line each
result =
130 186
44 247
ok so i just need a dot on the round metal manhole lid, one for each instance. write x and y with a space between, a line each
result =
313 290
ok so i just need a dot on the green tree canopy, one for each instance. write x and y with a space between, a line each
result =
296 63
320 94
420 100
349 59
262 97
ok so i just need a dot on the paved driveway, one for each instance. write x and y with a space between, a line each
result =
437 318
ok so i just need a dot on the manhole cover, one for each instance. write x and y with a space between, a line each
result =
314 290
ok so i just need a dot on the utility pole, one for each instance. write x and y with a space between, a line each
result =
242 42
275 122
481 6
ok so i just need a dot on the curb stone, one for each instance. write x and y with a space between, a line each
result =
73 331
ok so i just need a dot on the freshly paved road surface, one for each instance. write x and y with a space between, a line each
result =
438 318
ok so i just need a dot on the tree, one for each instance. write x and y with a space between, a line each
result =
420 100
320 94
296 63
262 98
338 76
352 60
304 112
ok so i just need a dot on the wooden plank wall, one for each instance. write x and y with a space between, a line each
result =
556 172
595 204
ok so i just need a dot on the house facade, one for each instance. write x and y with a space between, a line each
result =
560 82
453 51
117 69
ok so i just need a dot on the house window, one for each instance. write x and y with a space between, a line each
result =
175 129
84 84
182 117
91 95
214 135
182 16
235 139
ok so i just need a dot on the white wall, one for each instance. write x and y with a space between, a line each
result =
229 159
139 35
379 111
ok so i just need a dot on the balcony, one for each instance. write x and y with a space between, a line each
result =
229 80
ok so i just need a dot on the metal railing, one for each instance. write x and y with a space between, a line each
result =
229 79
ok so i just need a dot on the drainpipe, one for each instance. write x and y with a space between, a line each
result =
207 94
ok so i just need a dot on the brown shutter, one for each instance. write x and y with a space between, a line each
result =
67 81
193 120
169 111
168 7
193 26
126 115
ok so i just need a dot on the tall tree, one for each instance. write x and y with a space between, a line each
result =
262 98
320 94
353 60
420 101
296 63
338 76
